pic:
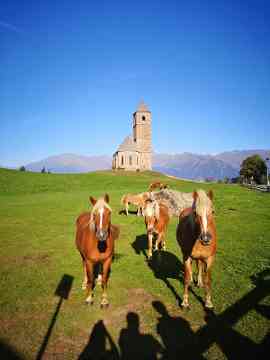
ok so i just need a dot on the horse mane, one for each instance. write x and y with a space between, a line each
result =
202 202
154 205
98 205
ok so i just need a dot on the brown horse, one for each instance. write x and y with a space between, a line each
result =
95 241
156 217
157 185
196 235
135 199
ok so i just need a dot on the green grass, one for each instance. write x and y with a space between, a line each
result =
37 228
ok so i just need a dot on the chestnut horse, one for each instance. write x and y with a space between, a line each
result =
156 217
95 238
135 199
157 185
196 235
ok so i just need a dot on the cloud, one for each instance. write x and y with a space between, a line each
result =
9 27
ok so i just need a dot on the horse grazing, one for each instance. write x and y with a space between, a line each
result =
156 217
95 238
157 185
196 235
135 199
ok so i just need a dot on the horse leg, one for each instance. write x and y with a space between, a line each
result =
200 266
90 282
85 278
139 211
208 299
99 276
187 281
160 240
150 245
105 275
127 208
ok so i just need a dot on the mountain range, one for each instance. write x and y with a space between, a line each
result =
184 165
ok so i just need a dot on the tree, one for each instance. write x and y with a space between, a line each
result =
253 167
22 168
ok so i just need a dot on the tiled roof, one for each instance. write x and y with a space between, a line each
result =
128 145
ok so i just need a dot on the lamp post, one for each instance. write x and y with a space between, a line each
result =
267 179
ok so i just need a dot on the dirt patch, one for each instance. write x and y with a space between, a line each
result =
140 300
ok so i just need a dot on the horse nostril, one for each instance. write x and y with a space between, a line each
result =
206 238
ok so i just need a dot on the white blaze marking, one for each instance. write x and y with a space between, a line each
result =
101 211
204 221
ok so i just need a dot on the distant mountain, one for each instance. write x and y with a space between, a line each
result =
185 165
195 166
71 163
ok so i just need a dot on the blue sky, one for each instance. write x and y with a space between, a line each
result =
73 72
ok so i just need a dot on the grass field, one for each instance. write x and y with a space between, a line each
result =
144 320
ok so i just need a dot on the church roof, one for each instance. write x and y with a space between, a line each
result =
142 107
128 145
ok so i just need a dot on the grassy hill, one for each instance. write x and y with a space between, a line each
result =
37 217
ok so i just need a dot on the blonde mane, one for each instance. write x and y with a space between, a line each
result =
101 203
202 203
152 209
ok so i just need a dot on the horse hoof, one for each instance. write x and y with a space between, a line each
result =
104 306
89 302
185 306
209 305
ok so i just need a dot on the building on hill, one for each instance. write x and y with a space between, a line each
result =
135 152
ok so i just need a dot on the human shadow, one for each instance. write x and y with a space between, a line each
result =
136 345
176 334
96 349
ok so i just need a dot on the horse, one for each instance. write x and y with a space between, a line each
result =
156 218
95 237
135 199
157 185
176 201
196 235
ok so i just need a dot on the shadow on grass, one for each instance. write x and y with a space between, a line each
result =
132 343
8 352
62 291
163 264
179 340
130 212
96 347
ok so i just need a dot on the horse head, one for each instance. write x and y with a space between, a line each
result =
151 214
100 220
203 212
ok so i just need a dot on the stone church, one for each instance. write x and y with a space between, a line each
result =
135 152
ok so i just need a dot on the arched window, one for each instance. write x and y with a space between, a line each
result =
130 160
122 160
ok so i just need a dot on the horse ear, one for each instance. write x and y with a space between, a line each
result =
92 200
210 195
107 198
195 195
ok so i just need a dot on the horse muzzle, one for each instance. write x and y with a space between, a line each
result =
205 238
102 235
